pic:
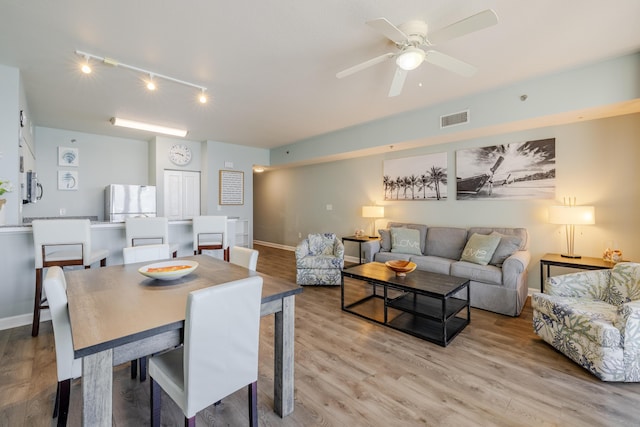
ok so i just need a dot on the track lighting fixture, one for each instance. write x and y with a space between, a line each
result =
153 76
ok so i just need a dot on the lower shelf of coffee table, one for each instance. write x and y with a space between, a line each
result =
428 329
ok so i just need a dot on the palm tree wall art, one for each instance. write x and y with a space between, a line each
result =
416 178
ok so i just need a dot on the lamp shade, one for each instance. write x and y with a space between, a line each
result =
572 215
373 211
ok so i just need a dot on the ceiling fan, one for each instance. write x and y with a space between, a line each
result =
414 46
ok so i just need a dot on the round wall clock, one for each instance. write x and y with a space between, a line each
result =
180 154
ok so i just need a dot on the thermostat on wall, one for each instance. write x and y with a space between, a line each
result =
228 164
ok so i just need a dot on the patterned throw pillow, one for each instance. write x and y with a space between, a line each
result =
405 241
321 244
480 248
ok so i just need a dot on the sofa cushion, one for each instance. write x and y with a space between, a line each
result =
405 241
390 256
420 227
480 273
507 246
320 261
433 264
480 248
321 244
446 242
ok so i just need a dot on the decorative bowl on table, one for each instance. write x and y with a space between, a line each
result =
168 270
401 267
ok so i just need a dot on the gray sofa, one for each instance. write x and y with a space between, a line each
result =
500 286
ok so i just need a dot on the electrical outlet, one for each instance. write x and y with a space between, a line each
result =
299 235
329 207
63 211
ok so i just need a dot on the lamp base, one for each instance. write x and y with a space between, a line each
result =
570 256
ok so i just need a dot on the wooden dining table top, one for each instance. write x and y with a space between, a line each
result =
116 305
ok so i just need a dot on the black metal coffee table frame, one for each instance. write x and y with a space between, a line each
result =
421 304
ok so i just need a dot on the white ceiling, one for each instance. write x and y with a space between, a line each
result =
270 65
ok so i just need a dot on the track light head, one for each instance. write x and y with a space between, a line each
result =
151 84
203 97
86 68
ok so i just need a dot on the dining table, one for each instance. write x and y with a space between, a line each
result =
118 315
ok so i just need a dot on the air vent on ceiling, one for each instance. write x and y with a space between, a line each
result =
454 119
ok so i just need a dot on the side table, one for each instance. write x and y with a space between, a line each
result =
359 240
584 263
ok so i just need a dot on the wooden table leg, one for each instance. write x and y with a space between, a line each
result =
97 389
284 334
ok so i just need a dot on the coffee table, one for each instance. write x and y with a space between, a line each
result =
421 303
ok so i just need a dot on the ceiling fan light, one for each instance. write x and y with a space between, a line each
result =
410 59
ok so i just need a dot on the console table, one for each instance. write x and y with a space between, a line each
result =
583 263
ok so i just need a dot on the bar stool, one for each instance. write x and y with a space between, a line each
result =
148 230
61 242
210 233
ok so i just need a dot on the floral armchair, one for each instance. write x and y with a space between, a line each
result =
319 260
593 317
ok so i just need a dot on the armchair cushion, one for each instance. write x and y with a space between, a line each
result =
321 244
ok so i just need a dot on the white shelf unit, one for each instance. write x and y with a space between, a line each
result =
241 233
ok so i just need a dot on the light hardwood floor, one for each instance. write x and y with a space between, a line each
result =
351 372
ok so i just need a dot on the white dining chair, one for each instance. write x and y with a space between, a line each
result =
148 231
144 253
220 352
61 242
210 233
67 366
244 257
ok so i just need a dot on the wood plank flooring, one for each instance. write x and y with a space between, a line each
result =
349 371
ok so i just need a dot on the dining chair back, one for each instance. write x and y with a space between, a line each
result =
143 253
210 233
67 366
244 257
148 231
220 352
61 242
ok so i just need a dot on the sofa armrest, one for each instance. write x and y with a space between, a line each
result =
338 249
302 250
629 316
514 269
585 284
369 249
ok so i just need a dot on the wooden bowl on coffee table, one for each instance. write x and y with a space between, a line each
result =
401 267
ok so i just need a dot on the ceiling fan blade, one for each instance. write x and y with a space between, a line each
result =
397 83
449 63
365 64
389 30
476 22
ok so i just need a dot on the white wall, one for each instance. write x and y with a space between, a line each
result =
103 160
9 137
596 161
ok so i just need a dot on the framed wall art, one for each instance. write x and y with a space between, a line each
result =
67 180
68 156
521 170
416 178
231 187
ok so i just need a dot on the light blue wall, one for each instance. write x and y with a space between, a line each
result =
604 83
596 162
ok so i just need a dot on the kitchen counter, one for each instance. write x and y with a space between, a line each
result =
17 261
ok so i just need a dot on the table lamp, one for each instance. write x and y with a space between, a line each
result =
373 212
571 215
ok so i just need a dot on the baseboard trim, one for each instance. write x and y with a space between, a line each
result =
22 319
292 249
